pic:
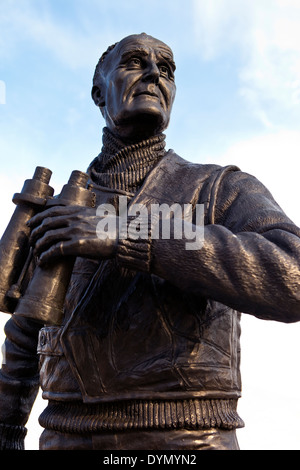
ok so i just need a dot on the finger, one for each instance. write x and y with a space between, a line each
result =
57 251
38 218
52 237
48 224
55 211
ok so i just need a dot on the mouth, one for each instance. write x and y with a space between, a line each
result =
147 93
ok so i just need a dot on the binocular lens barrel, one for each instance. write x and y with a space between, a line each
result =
44 298
14 244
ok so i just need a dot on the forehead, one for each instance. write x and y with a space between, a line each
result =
143 45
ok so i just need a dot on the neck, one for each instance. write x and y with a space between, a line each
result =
137 133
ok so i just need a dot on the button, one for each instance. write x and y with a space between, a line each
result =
43 339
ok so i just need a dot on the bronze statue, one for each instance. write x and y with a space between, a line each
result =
146 354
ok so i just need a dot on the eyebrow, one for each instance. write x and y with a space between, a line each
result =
130 52
168 58
126 54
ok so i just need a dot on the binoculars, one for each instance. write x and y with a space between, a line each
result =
27 289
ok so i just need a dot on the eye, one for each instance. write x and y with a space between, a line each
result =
166 72
135 62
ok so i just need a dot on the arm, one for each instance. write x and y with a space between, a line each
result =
250 260
19 381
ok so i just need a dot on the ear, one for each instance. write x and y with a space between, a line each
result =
97 97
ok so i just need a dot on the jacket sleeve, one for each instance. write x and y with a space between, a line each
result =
19 381
250 258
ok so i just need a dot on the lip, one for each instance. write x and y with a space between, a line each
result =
147 93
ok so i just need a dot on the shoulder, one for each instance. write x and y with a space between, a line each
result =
172 158
177 164
244 203
214 176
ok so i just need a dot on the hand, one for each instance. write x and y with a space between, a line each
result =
70 231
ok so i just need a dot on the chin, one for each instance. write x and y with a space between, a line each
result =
142 125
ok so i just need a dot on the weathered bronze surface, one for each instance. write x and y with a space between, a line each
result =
44 298
143 351
14 245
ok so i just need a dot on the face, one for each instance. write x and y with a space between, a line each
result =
139 88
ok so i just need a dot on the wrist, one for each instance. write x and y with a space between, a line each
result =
133 248
12 437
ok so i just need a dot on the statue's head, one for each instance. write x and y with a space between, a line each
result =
134 86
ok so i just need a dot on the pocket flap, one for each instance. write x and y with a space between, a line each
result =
49 341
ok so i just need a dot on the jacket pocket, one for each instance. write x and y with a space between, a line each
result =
56 377
49 341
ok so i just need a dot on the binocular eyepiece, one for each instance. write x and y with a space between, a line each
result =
26 289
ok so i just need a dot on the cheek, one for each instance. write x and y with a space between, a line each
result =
117 93
169 92
172 93
111 96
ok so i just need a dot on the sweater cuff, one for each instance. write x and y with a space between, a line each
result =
134 246
12 437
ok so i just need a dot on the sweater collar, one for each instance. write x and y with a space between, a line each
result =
124 167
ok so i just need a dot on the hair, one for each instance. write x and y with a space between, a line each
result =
98 69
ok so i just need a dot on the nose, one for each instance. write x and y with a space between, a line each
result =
152 73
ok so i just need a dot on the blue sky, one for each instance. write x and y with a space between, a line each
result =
238 102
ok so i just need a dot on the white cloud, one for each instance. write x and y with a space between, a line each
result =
23 21
270 385
274 159
266 38
216 28
2 92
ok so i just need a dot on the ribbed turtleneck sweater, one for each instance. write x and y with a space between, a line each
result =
125 166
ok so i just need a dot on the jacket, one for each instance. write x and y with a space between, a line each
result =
159 321
163 322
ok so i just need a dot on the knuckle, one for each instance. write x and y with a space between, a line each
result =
46 221
81 242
